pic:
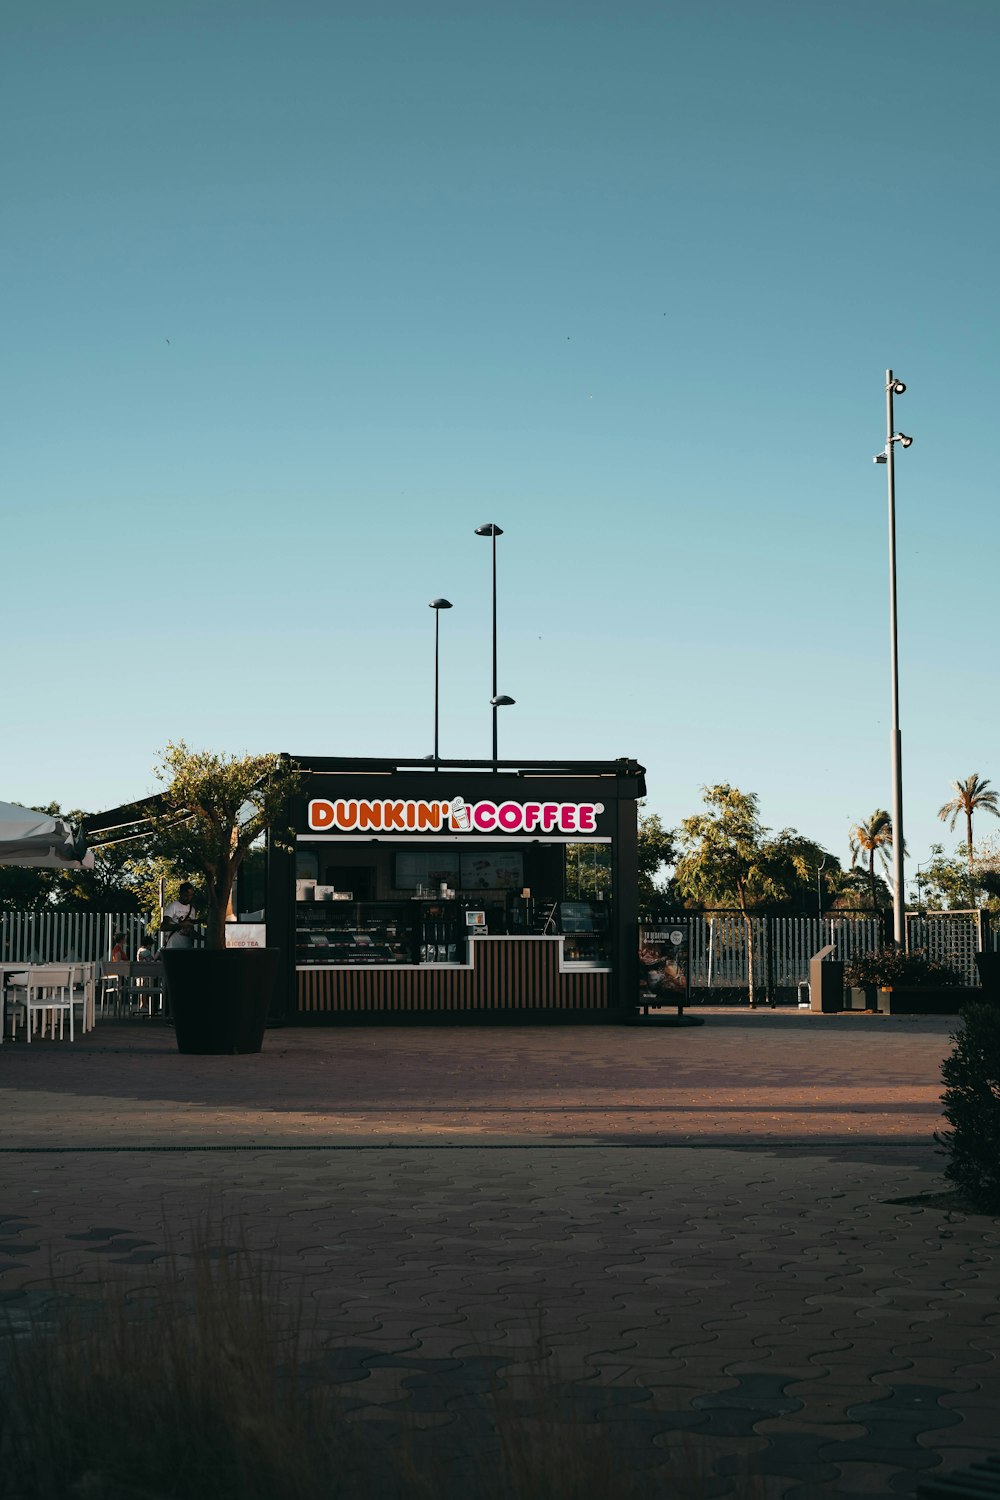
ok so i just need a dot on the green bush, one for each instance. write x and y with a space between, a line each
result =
889 966
972 1107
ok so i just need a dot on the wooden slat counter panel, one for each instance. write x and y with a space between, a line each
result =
518 974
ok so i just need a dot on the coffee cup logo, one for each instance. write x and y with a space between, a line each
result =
459 814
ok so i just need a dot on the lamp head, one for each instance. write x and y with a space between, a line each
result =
440 604
880 458
490 529
898 387
905 442
502 701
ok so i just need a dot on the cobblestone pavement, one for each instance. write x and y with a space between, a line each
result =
697 1226
743 1076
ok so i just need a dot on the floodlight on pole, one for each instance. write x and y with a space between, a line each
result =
499 700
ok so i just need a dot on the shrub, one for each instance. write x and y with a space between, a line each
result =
972 1107
889 966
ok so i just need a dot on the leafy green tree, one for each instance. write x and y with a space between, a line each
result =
870 840
944 881
109 886
151 876
25 889
971 796
730 859
850 889
212 810
986 870
657 852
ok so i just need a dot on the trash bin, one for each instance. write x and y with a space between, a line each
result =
826 982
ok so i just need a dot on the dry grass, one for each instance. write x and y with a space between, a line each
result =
202 1383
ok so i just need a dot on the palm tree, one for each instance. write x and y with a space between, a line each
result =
970 797
871 838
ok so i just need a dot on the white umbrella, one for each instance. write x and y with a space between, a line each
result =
38 840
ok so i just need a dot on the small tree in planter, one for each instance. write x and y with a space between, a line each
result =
213 809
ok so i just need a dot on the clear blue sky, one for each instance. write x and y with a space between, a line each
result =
298 294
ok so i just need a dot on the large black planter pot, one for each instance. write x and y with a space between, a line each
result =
926 999
219 998
988 965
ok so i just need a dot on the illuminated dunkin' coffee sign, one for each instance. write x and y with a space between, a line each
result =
398 815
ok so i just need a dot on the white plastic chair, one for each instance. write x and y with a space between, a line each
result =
12 1001
49 991
16 984
85 994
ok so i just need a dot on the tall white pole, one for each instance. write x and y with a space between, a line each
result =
896 742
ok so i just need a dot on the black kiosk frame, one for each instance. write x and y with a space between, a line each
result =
421 889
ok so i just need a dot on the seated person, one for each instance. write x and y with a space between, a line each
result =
119 950
146 952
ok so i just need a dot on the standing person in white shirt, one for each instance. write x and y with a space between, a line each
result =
178 919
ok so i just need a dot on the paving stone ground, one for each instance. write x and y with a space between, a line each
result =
695 1226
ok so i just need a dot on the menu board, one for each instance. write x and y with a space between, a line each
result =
427 870
485 870
488 871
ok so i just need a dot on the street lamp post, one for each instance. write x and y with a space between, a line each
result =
920 883
819 893
894 387
437 605
493 531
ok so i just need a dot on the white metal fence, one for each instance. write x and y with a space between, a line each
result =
52 936
950 937
783 946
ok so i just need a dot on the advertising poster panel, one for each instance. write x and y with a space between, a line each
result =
664 968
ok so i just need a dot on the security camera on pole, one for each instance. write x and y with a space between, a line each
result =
894 387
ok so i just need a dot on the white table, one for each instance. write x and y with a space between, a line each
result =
7 968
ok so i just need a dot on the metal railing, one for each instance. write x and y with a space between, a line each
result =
950 937
783 946
59 936
718 941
